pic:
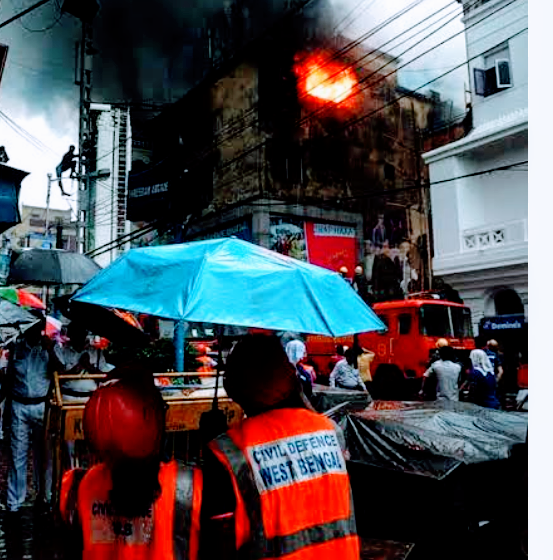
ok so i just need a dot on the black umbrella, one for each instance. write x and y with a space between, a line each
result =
101 321
52 266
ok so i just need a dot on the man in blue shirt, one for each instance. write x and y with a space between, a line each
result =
492 351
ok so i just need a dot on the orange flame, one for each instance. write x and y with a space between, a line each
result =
329 81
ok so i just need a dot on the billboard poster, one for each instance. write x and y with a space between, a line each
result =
332 246
328 245
288 237
396 255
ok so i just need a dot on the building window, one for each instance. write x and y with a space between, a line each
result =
496 74
404 323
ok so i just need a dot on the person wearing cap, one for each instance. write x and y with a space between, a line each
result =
131 505
343 271
292 495
361 284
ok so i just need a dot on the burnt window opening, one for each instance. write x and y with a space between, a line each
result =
389 172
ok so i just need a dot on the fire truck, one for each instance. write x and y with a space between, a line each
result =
413 326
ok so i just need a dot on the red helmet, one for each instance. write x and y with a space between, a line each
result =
125 419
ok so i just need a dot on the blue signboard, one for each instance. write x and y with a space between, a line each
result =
240 230
503 322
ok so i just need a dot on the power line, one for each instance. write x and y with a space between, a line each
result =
371 113
238 131
27 135
354 9
24 12
124 238
351 45
349 123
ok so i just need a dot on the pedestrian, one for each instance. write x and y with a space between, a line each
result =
482 383
446 375
27 387
345 374
132 504
343 272
76 356
292 496
361 285
492 351
338 357
297 352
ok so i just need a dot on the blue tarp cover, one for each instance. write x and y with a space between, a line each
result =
231 282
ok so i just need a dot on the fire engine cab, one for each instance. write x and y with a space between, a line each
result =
413 326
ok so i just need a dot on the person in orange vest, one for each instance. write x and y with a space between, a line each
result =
131 505
291 490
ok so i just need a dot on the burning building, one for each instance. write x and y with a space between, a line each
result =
303 144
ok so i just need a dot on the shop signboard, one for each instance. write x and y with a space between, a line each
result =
148 194
503 322
324 244
240 230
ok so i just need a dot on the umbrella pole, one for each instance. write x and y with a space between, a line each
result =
214 422
178 341
219 365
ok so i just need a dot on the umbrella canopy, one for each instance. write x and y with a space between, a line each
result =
52 266
14 320
231 282
115 325
21 297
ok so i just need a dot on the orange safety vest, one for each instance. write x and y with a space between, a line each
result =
169 532
293 496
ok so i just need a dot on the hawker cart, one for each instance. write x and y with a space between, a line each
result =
186 404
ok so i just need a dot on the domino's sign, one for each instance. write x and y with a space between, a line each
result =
503 322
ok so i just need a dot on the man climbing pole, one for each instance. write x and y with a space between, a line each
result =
67 162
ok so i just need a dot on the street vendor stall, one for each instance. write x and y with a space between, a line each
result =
185 406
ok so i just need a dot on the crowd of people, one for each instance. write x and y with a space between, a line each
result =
445 379
271 486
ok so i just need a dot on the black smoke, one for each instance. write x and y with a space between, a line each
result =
148 51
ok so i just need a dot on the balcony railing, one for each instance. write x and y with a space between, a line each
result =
495 236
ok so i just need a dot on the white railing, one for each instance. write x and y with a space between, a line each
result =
494 236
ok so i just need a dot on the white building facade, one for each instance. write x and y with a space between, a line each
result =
105 200
479 184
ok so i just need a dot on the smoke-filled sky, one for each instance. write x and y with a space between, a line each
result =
146 46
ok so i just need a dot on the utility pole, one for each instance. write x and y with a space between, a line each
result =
85 84
84 10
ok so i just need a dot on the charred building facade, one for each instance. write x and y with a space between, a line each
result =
305 145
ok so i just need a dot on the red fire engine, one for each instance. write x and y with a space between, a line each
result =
414 325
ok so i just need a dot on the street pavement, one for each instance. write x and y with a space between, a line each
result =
29 535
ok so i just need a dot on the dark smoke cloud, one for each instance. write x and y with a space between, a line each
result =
147 51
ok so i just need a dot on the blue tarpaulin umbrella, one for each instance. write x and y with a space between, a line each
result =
231 282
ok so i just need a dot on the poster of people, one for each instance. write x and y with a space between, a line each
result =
396 251
288 237
331 246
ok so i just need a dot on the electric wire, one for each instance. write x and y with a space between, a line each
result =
366 115
349 123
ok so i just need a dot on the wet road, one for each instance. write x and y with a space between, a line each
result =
28 535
